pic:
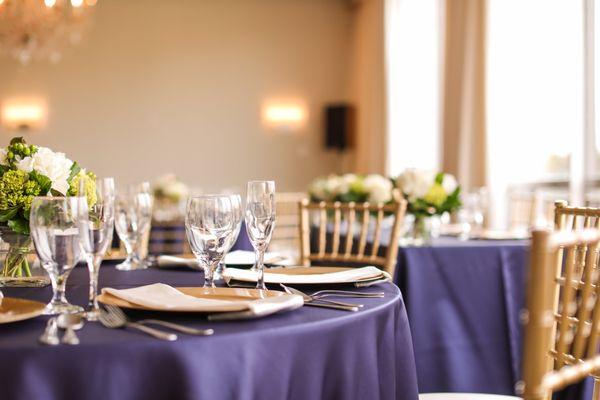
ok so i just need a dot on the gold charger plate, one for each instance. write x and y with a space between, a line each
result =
13 309
300 271
219 293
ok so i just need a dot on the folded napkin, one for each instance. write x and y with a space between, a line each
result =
272 276
244 257
164 297
165 261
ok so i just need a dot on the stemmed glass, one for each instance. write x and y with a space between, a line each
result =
209 223
97 236
133 215
236 205
55 224
260 222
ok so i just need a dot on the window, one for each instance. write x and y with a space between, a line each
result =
413 74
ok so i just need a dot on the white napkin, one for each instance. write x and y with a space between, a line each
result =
164 297
244 257
349 275
164 260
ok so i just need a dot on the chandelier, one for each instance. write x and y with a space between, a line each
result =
41 29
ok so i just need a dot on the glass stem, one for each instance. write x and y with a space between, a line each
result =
58 287
260 282
94 268
209 275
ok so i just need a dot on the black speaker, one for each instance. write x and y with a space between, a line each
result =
339 126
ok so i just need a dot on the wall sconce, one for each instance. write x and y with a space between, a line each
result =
24 114
284 116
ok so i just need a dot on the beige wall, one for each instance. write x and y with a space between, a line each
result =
176 86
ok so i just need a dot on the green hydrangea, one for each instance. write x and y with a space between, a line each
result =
17 190
89 181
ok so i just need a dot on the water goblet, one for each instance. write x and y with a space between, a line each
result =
209 223
260 222
133 215
97 235
236 204
55 224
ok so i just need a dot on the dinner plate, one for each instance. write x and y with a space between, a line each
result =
490 234
305 275
218 293
13 309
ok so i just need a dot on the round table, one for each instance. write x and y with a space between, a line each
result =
309 353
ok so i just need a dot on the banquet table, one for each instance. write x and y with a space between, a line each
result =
309 353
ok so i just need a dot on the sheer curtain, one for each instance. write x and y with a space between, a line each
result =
535 93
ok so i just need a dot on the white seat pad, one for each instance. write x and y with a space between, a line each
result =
464 396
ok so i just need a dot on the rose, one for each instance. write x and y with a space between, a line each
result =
449 183
56 166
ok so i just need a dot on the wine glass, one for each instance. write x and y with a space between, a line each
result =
142 249
260 222
209 223
55 224
236 204
133 214
97 235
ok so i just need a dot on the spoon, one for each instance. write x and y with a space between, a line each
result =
70 323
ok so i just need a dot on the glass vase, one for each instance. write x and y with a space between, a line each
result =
420 230
19 264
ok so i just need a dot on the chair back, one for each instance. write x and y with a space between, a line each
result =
563 311
572 218
349 245
168 237
286 235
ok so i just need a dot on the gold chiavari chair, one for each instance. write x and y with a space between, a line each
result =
286 238
335 246
569 217
562 317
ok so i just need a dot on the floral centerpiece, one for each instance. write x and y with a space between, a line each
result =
428 194
169 195
27 171
350 187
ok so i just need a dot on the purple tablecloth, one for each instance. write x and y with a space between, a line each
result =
463 300
310 353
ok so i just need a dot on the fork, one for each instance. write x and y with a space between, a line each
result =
345 293
310 301
176 327
114 317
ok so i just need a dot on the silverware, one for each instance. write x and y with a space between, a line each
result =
70 323
309 301
345 293
371 283
177 327
50 335
113 317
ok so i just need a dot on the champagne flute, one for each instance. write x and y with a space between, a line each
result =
133 213
55 224
209 223
260 222
97 235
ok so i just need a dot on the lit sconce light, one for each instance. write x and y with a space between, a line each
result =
284 116
76 3
50 3
23 115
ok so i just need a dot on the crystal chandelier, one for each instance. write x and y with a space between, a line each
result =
41 29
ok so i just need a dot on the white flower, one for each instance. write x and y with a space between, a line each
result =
318 188
55 166
379 188
3 153
449 184
415 183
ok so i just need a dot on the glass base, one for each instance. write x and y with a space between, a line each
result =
61 308
92 315
129 266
